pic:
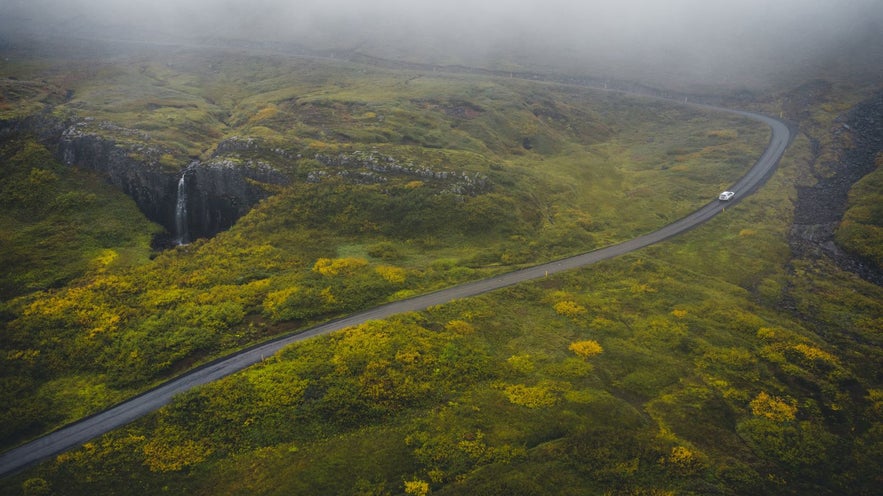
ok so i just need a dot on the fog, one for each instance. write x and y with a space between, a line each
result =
709 41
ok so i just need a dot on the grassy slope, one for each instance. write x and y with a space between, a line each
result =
58 223
483 396
862 229
124 328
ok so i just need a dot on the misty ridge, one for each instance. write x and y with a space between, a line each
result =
749 43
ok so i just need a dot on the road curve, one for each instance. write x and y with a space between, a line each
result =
90 427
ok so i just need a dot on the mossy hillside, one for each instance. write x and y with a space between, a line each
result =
30 83
190 98
61 223
184 106
187 104
698 382
123 327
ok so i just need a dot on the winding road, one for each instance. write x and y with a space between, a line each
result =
90 427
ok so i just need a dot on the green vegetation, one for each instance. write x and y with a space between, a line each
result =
400 213
861 231
673 370
58 223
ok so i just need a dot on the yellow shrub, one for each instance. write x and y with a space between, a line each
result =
395 275
277 300
684 461
416 488
814 354
531 396
768 334
569 308
105 259
329 267
773 407
586 349
327 296
265 113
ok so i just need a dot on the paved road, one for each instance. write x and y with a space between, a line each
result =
83 430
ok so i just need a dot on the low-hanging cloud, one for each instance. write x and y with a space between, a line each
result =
688 37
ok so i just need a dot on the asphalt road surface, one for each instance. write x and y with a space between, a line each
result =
75 434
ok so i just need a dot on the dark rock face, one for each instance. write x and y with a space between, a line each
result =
153 189
820 208
219 191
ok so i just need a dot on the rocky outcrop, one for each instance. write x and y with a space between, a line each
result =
820 208
219 191
144 180
371 167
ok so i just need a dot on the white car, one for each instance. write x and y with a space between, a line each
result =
726 195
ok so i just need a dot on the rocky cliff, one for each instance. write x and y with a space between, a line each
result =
143 179
219 191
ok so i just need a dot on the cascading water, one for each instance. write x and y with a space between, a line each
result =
182 237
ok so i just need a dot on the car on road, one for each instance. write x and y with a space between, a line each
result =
726 196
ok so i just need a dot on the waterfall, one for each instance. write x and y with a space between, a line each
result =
182 237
